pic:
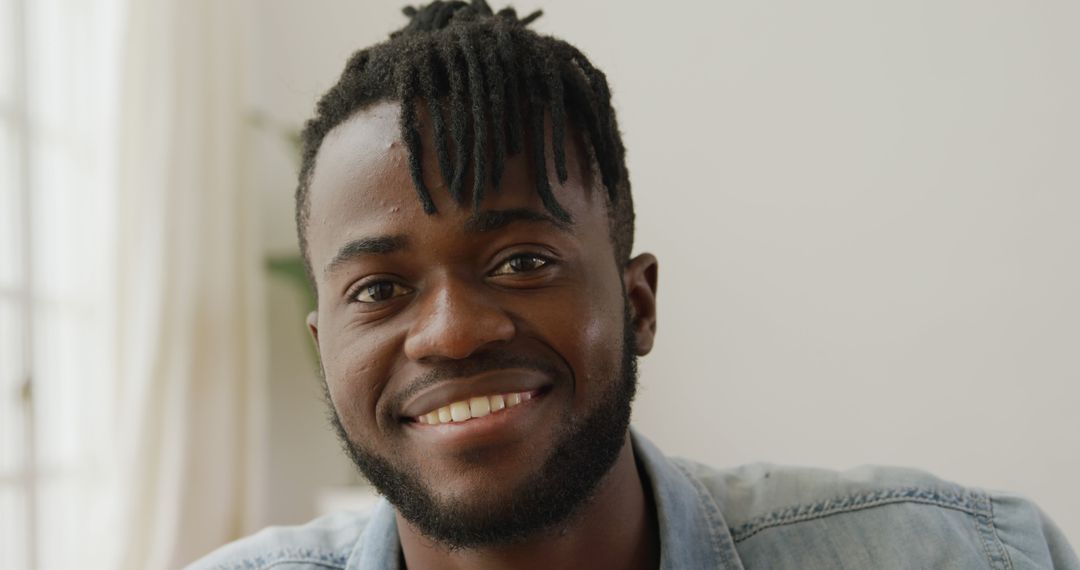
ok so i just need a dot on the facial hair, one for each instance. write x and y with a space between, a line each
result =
584 450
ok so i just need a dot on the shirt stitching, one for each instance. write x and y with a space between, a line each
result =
984 523
985 539
997 538
303 561
291 556
799 513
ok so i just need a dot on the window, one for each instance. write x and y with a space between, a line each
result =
57 76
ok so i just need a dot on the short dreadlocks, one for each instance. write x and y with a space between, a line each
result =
467 63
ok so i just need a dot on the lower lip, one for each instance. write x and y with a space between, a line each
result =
507 423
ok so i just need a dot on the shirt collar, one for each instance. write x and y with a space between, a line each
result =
693 533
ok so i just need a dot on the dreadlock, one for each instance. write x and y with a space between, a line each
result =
468 64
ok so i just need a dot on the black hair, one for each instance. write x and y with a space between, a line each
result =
471 65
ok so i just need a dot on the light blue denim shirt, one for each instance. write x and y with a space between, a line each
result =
757 516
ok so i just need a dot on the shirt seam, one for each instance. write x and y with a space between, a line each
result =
723 549
324 559
984 523
800 513
305 561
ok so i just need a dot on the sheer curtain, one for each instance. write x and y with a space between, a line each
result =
131 285
188 297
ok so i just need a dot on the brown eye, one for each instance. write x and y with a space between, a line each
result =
523 263
380 291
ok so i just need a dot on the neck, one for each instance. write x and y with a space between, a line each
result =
616 529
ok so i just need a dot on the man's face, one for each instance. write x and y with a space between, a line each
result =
421 312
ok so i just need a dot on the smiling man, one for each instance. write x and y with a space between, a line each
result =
480 357
464 210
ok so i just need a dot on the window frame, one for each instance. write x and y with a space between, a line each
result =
23 479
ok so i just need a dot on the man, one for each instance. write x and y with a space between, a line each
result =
464 210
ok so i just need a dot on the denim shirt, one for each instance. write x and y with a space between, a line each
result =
756 516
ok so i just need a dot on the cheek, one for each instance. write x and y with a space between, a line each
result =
356 376
602 333
601 341
587 330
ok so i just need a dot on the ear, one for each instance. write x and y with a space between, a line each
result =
313 327
639 280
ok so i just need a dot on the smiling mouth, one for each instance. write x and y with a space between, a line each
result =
476 407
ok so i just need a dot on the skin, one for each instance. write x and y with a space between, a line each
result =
451 294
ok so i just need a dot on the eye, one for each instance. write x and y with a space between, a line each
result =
379 291
521 263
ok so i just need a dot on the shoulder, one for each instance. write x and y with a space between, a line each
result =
324 543
762 495
876 513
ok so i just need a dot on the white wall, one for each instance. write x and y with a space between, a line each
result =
865 214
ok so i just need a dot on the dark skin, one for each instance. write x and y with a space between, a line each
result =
418 291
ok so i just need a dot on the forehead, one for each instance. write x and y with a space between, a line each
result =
361 186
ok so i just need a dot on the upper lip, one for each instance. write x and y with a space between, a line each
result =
506 381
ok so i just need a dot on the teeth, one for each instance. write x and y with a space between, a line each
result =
477 407
460 411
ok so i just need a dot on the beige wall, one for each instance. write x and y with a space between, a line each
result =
865 213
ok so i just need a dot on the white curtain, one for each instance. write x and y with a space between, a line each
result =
188 298
142 300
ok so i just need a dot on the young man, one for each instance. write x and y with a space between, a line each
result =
465 212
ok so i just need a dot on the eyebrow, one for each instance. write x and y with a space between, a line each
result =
367 246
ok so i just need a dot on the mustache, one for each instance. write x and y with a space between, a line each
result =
472 366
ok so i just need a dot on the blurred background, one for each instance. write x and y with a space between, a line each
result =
866 216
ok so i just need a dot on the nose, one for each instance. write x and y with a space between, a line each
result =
455 321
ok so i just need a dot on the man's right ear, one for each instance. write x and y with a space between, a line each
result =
313 326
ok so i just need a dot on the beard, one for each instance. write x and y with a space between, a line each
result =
584 450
